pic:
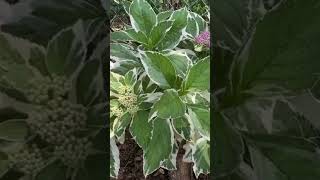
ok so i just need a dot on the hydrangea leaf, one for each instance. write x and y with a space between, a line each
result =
161 146
114 159
169 106
201 156
199 76
175 34
159 69
142 16
141 129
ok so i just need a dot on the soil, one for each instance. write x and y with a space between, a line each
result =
131 164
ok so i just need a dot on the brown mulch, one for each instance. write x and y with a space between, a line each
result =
131 164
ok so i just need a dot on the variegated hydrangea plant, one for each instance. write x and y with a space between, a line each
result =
160 88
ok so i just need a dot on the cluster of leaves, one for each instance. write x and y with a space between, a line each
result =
266 90
159 88
52 92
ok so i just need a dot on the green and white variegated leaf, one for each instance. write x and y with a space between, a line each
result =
196 24
142 16
281 61
67 50
163 16
115 81
234 21
158 32
12 61
50 17
152 97
169 106
120 124
125 57
120 36
198 76
180 61
131 77
176 33
200 118
4 164
160 148
141 129
159 69
114 159
122 52
171 162
183 127
201 157
139 37
13 130
198 98
129 35
187 157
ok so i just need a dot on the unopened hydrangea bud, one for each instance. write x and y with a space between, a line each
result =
28 160
133 109
116 111
125 90
73 151
57 120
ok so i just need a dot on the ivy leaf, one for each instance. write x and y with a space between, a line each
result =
169 106
142 16
159 69
199 76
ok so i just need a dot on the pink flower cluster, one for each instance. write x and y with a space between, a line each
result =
203 38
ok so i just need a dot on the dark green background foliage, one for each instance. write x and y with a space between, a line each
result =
52 95
266 90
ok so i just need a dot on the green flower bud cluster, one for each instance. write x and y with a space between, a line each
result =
28 160
129 101
43 89
116 111
125 89
55 117
73 151
58 121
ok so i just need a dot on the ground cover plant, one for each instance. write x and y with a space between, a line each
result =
266 90
53 100
159 75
